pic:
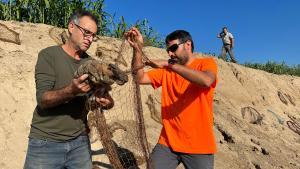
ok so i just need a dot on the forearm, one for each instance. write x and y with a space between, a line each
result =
135 39
54 98
138 64
201 78
232 42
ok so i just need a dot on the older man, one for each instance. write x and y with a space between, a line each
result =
58 136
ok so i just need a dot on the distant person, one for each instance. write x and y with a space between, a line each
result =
188 85
58 136
228 44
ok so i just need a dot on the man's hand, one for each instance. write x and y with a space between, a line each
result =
105 101
79 85
135 38
53 98
231 43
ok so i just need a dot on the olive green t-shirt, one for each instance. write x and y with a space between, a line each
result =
54 70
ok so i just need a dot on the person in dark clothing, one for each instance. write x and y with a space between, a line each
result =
58 135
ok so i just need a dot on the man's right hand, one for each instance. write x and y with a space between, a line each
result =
78 85
135 39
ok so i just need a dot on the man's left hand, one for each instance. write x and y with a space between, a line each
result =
135 39
106 101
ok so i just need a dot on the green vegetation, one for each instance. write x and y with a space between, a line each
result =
270 66
151 36
57 13
276 68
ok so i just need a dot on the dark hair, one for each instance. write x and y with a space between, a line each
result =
75 17
181 35
224 28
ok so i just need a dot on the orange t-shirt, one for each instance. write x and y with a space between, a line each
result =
187 109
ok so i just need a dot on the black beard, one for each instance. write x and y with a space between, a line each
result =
184 60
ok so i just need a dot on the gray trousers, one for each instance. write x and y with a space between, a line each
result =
163 157
227 49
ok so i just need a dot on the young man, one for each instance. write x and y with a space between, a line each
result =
58 135
188 85
228 44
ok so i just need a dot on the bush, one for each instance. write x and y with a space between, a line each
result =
276 68
57 13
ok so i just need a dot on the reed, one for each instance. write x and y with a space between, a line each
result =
57 13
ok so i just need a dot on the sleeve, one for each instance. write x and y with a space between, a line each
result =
230 35
210 65
44 75
156 76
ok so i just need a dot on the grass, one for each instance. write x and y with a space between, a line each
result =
57 13
276 68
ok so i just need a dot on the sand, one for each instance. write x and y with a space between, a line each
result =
251 107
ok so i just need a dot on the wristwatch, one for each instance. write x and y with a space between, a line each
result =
171 62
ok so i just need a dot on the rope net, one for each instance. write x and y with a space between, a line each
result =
121 130
124 137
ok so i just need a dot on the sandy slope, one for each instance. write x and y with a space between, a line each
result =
250 118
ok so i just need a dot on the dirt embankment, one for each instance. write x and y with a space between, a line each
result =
253 109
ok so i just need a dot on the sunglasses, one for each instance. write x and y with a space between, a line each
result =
86 33
174 47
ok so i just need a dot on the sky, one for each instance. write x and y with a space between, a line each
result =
264 30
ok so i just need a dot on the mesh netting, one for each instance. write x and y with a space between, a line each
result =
121 130
128 148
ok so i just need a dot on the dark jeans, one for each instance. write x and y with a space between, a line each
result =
227 49
73 154
163 157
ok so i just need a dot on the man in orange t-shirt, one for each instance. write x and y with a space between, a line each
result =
188 85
